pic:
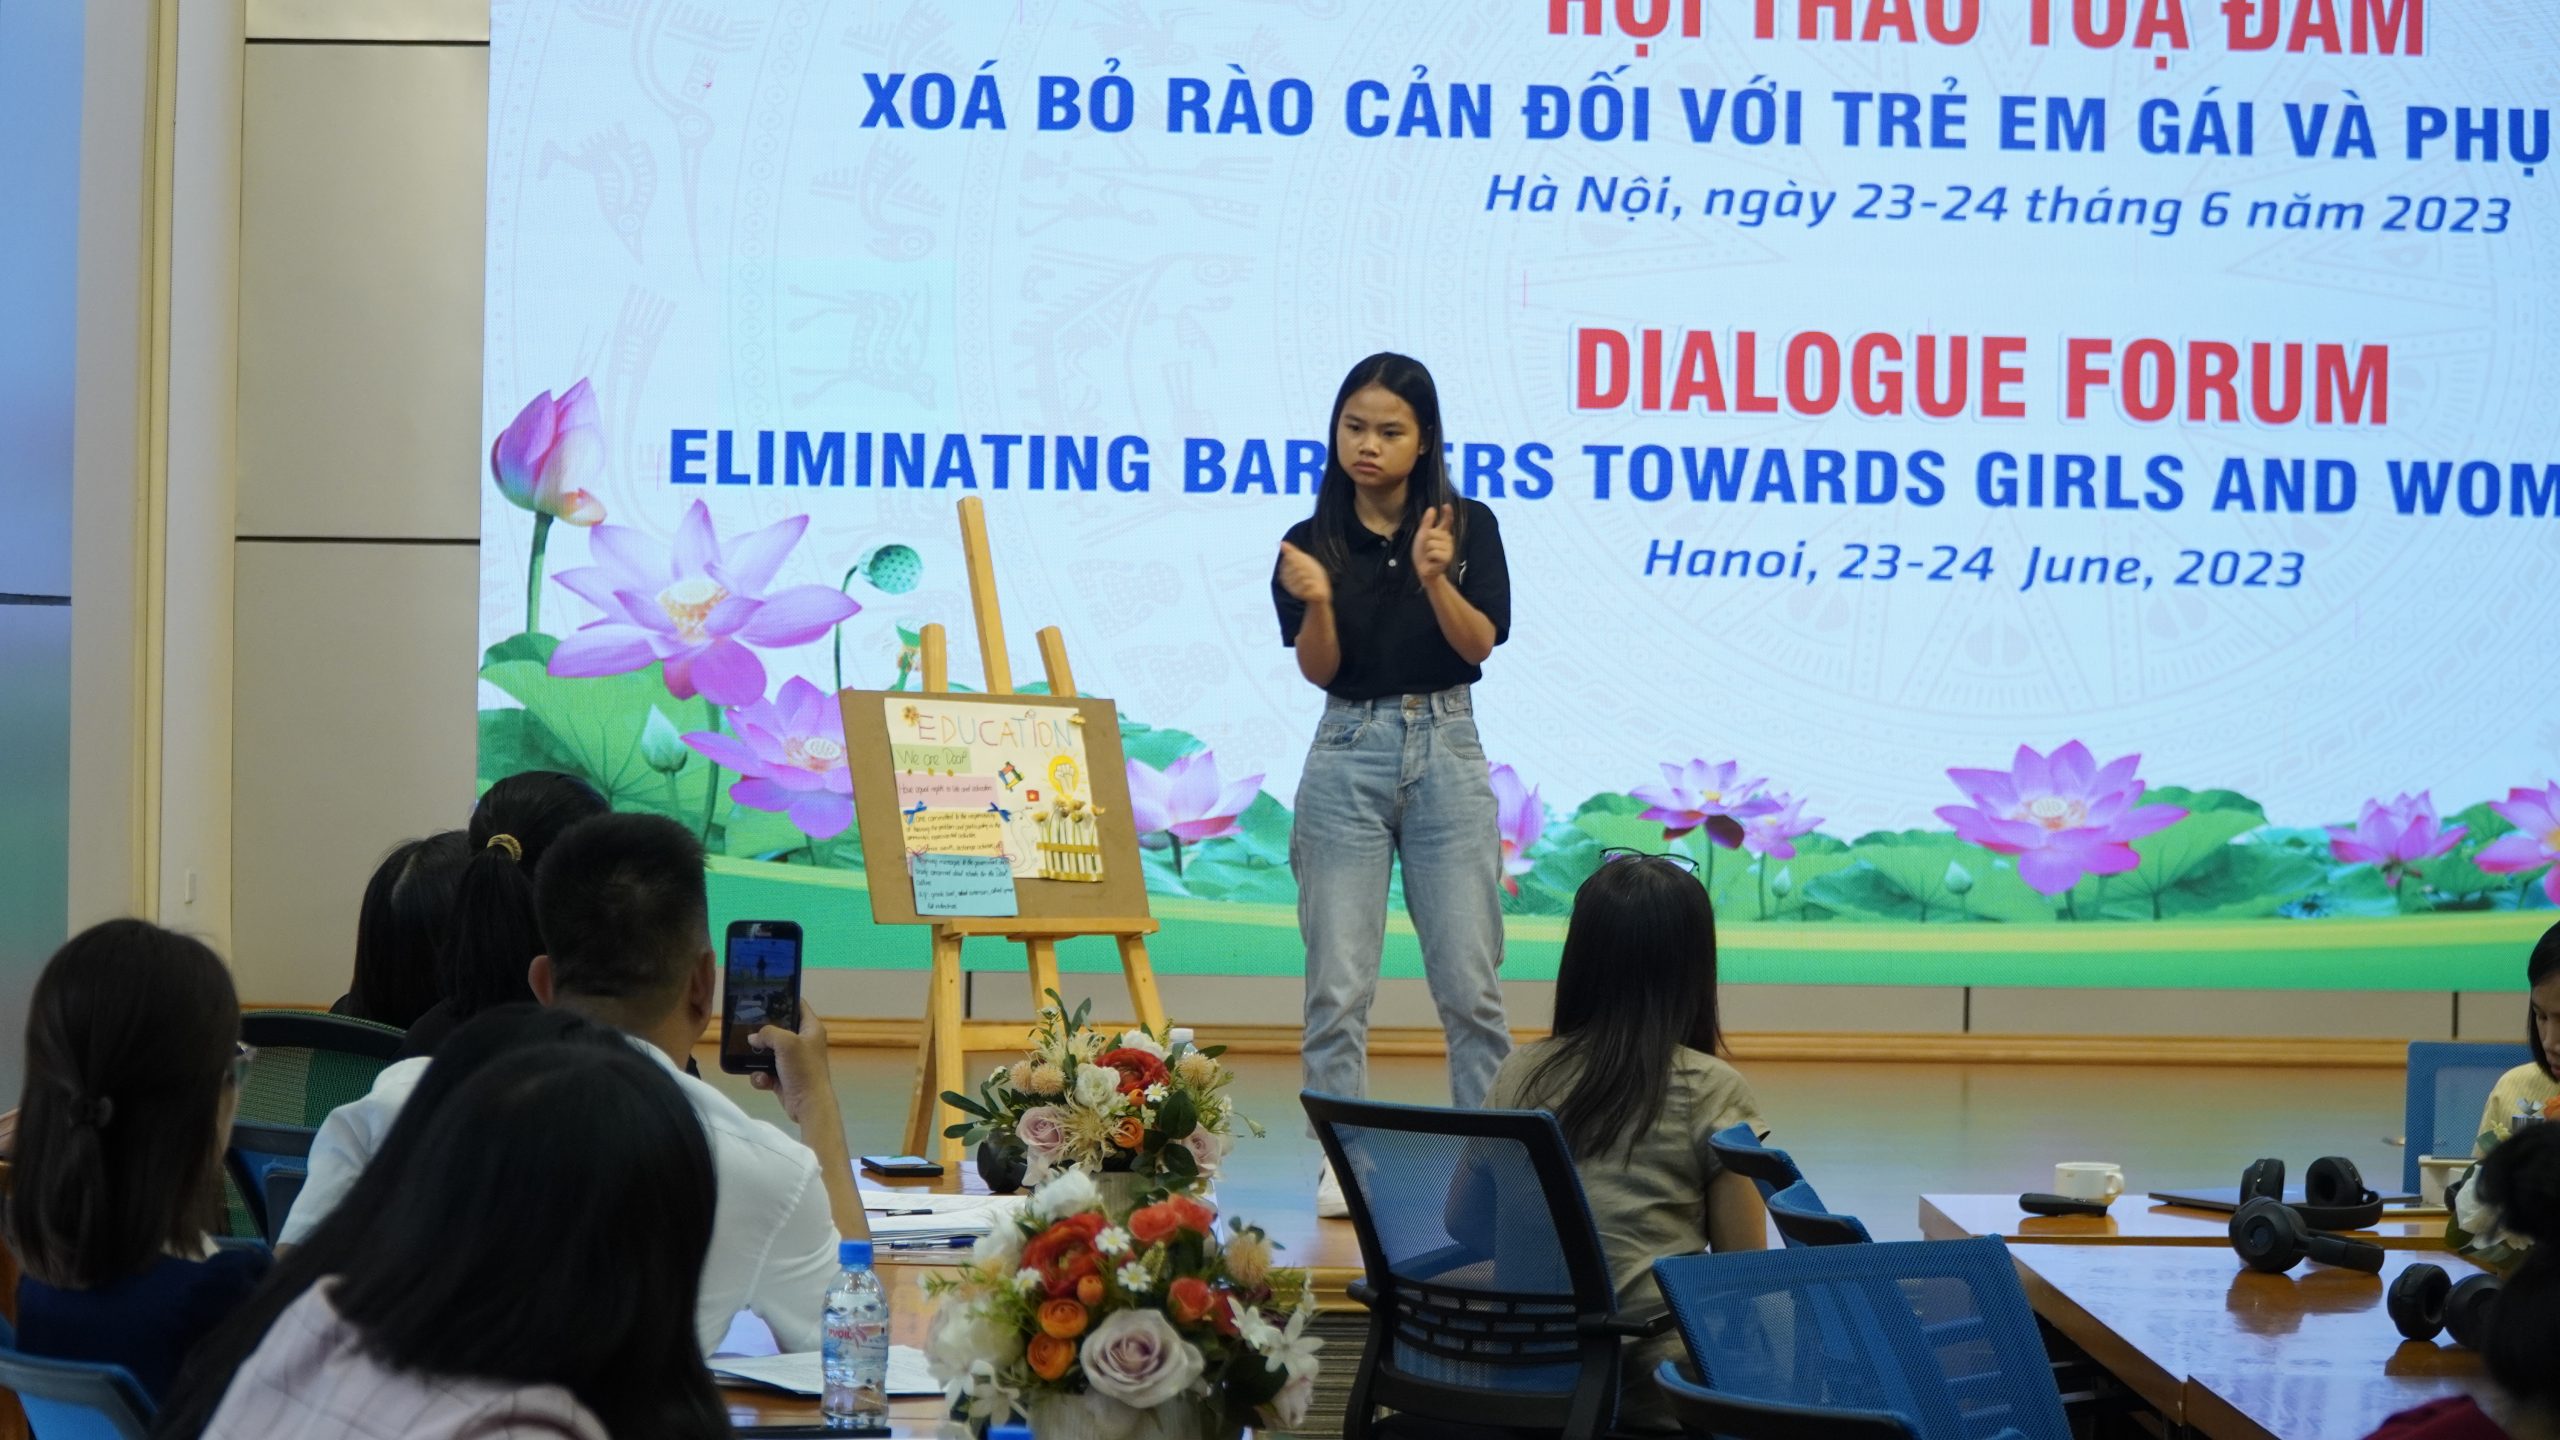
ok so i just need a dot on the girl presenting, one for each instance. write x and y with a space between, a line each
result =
1393 594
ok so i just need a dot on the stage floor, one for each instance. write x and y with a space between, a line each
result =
1872 1137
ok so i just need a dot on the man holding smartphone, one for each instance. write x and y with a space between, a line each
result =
625 923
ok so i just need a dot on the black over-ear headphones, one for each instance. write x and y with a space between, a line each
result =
2271 1236
2425 1301
2334 1195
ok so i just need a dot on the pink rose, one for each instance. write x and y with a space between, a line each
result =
1042 1129
1207 1149
1136 1358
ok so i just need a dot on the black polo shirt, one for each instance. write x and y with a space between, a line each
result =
1391 642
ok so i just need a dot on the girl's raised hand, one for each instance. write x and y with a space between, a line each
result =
1304 576
1435 545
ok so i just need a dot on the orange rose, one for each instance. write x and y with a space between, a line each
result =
1050 1356
1189 1299
1152 1224
1128 1132
2551 1108
1063 1319
1089 1289
1064 1253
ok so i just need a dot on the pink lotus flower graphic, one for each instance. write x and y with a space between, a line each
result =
2395 836
789 755
1185 801
1699 794
540 460
1774 832
699 607
2535 842
1521 817
2061 815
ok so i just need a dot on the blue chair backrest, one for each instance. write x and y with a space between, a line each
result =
2449 1085
75 1399
1475 1234
1801 1220
1740 1149
1937 1332
267 1165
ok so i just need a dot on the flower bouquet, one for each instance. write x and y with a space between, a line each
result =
1150 1330
1151 1107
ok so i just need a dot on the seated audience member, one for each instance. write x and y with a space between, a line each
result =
495 932
2520 1179
624 910
133 1070
532 1275
2536 1085
1633 1078
402 927
331 1247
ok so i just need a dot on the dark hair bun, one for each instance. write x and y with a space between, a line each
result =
2521 1178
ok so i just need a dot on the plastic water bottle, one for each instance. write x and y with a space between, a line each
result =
857 1345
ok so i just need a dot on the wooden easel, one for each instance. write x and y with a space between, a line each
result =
942 1052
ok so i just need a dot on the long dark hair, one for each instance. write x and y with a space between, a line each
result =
496 931
2540 966
2520 1178
539 1214
1636 981
405 920
1428 485
131 1034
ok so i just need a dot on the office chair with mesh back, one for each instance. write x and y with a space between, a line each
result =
309 1063
1490 1305
1933 1334
2449 1085
1739 1148
74 1399
1801 1220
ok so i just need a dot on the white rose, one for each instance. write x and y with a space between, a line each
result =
1096 1086
1135 1357
1072 1192
1141 1040
999 1248
962 1337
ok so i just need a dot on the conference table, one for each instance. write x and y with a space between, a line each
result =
2134 1220
2229 1353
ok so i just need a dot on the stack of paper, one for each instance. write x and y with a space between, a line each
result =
920 1219
805 1373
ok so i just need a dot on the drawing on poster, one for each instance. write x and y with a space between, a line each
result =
995 779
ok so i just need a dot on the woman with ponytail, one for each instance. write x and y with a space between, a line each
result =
494 934
133 1071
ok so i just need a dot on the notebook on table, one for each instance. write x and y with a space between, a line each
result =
2226 1198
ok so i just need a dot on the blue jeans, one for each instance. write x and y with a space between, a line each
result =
1400 777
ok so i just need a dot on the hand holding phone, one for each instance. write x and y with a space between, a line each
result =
760 986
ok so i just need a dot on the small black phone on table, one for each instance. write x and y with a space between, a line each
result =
759 986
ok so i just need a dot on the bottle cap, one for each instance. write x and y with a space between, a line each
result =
1008 1432
1179 1035
853 1254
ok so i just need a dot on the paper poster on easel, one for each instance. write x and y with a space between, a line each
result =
980 776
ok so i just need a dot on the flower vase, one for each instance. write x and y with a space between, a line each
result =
1002 1166
1098 1417
1121 1191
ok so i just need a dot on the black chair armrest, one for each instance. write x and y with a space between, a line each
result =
1363 1292
1713 1412
1641 1324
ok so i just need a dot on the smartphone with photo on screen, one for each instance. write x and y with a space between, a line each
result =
759 986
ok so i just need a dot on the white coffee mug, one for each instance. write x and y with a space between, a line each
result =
2435 1172
2088 1180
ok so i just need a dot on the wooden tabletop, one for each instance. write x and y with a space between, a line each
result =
2132 1220
2239 1355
